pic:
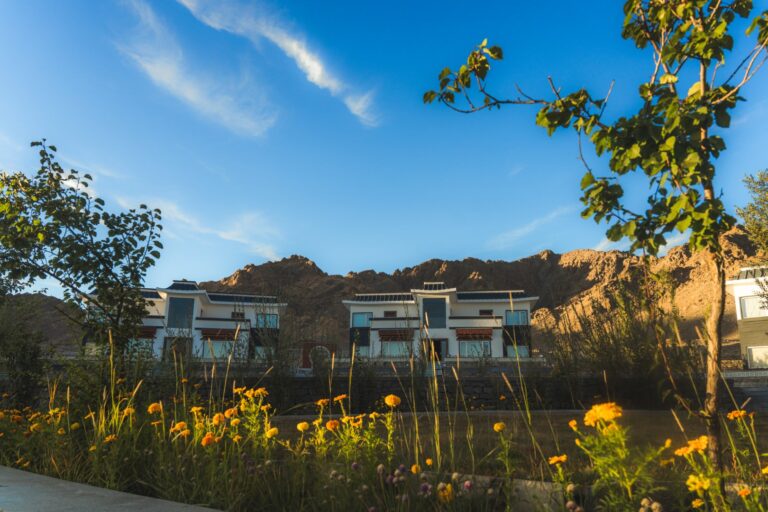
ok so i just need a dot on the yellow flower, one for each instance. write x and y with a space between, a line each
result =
499 426
606 412
111 438
238 391
272 433
185 433
218 419
374 415
744 492
322 402
184 380
257 393
558 459
230 413
765 470
196 409
340 398
235 422
265 407
695 445
156 423
428 462
737 414
74 426
302 426
332 425
697 483
415 469
237 438
573 424
445 493
178 427
129 411
61 431
155 408
667 443
35 427
392 401
697 503
208 439
502 398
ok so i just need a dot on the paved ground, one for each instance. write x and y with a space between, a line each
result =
22 491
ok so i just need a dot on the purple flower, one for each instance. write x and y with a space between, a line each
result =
355 466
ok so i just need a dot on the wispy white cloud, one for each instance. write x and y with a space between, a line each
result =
93 170
250 229
509 238
255 23
156 52
624 244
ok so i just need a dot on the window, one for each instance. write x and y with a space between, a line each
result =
180 313
752 307
519 351
434 313
390 314
361 319
267 321
395 349
516 317
475 348
238 315
486 312
361 351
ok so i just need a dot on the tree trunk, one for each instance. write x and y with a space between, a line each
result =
714 343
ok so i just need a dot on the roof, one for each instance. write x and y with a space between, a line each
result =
489 296
184 285
191 286
494 295
384 297
437 285
752 273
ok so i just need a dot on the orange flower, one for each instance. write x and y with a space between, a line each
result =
230 413
697 503
332 425
235 422
266 407
111 438
573 424
737 414
185 433
606 413
238 391
558 459
178 427
218 419
340 398
415 469
196 409
428 462
499 427
302 427
129 411
208 439
155 408
392 401
322 402
237 438
744 492
272 432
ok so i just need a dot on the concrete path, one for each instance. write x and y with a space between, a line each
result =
22 491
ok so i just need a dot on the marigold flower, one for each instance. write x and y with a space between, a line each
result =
156 423
374 415
155 408
736 415
237 438
499 426
111 438
238 391
340 398
235 422
196 409
272 432
61 431
558 459
208 439
428 462
179 426
445 492
332 425
302 426
667 443
392 401
231 412
129 411
744 492
698 483
415 469
35 427
257 393
185 433
323 402
218 419
765 470
606 413
697 503
573 424
266 407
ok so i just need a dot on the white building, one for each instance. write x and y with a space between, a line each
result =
751 314
192 322
442 322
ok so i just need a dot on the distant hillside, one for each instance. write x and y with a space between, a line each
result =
314 297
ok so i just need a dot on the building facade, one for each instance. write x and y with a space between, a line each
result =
751 314
185 320
442 323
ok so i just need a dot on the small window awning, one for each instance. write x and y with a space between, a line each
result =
474 334
395 334
218 334
147 333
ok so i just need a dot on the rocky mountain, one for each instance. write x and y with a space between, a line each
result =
314 297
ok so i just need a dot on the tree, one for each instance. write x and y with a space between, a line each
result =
755 214
672 138
53 227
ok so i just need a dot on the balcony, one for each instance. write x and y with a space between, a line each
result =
517 334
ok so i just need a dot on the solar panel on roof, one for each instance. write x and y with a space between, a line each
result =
150 294
489 295
183 286
248 299
391 297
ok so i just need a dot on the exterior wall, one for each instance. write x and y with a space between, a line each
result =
753 332
460 314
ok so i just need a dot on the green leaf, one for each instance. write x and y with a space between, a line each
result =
695 90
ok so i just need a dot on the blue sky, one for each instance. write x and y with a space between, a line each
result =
264 129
